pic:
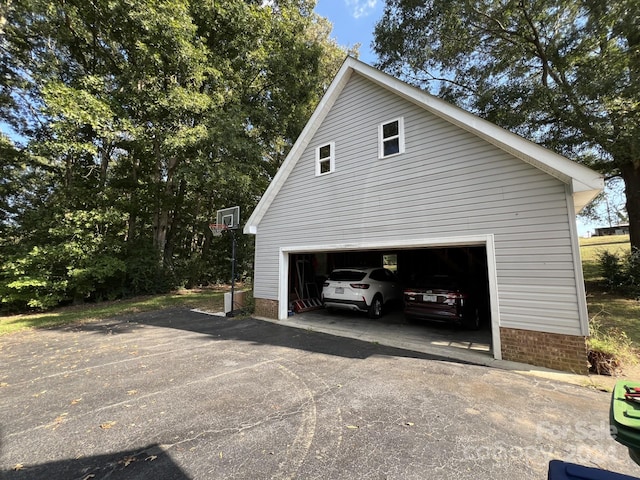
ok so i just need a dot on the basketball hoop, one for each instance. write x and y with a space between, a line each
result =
228 220
217 229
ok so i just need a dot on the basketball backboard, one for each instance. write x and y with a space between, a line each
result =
229 217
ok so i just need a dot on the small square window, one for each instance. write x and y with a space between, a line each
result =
325 162
391 138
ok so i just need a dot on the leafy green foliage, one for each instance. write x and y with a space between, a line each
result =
621 272
73 257
610 268
632 271
137 120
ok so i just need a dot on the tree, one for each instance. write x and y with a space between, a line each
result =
138 119
562 73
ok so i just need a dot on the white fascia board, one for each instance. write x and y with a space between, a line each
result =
581 178
318 116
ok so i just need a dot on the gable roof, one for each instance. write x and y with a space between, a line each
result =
585 183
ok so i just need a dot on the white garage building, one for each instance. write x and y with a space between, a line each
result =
383 169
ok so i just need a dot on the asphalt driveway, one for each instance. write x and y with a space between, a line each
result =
184 395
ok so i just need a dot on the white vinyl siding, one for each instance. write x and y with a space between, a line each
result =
448 183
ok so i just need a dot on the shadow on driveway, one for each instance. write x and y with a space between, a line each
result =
249 330
148 462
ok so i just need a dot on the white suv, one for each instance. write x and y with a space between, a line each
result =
361 289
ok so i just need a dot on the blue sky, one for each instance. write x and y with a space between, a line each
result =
353 22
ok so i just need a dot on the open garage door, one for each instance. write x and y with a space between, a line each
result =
470 262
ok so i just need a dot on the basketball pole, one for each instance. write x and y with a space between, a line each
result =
233 271
227 220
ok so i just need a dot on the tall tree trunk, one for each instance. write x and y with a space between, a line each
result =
631 175
159 215
133 204
174 221
164 200
105 156
631 170
160 229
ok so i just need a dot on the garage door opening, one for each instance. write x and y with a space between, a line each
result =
467 264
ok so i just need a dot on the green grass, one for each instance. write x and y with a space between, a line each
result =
615 311
612 316
591 248
206 299
605 240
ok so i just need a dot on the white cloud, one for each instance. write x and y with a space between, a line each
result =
361 8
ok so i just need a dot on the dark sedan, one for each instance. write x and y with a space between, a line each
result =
441 298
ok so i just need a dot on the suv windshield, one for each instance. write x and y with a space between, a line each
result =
346 275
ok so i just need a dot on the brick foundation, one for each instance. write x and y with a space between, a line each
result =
266 308
551 350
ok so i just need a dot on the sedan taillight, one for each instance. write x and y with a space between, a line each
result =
452 298
325 284
362 286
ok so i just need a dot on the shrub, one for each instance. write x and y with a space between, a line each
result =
611 269
145 272
632 272
249 306
609 349
621 273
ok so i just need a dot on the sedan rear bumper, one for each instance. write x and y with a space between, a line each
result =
437 314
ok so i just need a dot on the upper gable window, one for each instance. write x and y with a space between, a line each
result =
391 138
325 158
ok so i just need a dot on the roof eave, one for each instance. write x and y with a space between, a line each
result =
585 184
540 157
583 194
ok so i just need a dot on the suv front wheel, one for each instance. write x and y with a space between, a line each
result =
375 310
